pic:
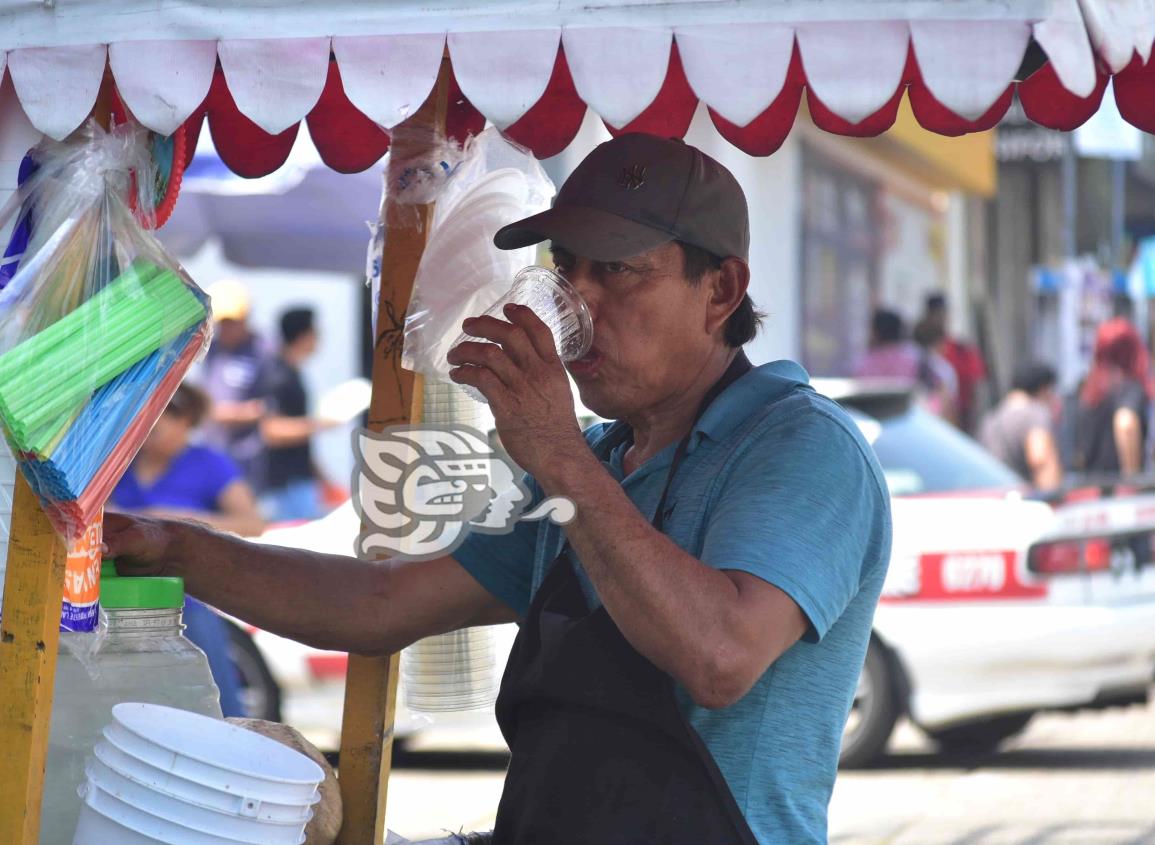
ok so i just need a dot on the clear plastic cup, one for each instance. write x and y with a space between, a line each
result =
559 306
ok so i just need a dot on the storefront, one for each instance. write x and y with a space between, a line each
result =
882 225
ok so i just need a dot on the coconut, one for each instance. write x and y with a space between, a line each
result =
327 813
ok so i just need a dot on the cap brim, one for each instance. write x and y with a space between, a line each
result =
586 232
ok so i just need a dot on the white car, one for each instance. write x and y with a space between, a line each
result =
997 605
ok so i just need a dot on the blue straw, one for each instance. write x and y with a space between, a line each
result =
95 433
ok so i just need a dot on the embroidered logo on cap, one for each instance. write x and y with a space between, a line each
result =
632 178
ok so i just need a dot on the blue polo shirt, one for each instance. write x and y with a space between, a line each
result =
778 482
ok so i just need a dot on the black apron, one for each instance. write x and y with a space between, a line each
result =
601 753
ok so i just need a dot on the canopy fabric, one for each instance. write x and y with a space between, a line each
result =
352 69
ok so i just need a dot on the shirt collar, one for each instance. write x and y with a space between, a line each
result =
752 391
758 388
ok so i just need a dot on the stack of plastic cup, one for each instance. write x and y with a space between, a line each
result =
451 672
162 775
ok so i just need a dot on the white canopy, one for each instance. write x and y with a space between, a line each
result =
736 56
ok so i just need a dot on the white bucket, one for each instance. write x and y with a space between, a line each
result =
214 753
103 781
106 820
93 828
138 770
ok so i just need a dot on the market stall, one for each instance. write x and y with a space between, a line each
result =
368 79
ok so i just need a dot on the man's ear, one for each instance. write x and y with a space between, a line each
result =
727 288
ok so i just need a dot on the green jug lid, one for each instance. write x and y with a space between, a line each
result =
108 568
118 593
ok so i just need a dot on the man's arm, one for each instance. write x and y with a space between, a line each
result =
1128 433
326 601
237 413
1043 458
715 631
278 431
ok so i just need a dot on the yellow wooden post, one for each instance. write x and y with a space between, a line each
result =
29 636
29 639
371 683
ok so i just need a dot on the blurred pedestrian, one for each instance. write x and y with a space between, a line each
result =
291 488
172 478
1019 431
1112 421
236 375
965 358
891 353
935 374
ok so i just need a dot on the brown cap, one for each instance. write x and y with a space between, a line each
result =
638 192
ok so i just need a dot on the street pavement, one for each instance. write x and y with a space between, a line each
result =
1070 779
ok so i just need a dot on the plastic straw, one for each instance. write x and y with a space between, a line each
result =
41 387
88 443
71 505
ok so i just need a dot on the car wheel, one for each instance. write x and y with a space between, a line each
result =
875 710
260 695
986 735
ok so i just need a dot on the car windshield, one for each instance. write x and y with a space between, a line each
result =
921 454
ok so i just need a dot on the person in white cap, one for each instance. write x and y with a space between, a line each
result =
236 375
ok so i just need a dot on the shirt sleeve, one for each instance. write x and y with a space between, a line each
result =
1038 417
503 563
803 510
1131 395
217 471
284 395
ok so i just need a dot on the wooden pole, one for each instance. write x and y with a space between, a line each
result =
29 636
371 682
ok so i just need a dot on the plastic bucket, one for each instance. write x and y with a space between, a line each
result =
214 753
231 827
94 828
106 820
109 756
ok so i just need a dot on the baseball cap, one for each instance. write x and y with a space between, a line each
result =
229 299
637 192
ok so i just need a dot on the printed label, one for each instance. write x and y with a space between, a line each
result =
80 610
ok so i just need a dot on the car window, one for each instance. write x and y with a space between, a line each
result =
920 453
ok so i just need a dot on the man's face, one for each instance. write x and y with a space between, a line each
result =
231 333
308 343
650 335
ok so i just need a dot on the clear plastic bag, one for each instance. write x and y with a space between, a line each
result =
462 273
98 324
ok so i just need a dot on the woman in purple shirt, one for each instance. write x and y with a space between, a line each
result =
172 478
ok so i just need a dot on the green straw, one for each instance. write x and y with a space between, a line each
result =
41 386
160 290
112 295
153 323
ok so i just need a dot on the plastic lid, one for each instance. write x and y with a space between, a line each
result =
118 593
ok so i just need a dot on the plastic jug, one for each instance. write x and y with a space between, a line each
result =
138 653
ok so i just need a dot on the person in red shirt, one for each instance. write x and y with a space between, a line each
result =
967 360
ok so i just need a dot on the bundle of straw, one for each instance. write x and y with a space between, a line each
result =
81 484
68 467
47 380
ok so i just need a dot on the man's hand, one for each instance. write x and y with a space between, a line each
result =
140 545
522 376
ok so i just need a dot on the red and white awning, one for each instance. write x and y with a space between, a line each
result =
352 69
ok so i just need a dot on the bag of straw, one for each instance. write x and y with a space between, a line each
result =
98 324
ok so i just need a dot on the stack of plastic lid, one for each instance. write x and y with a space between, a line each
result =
454 671
162 775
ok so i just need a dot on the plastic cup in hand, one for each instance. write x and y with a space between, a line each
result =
556 303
